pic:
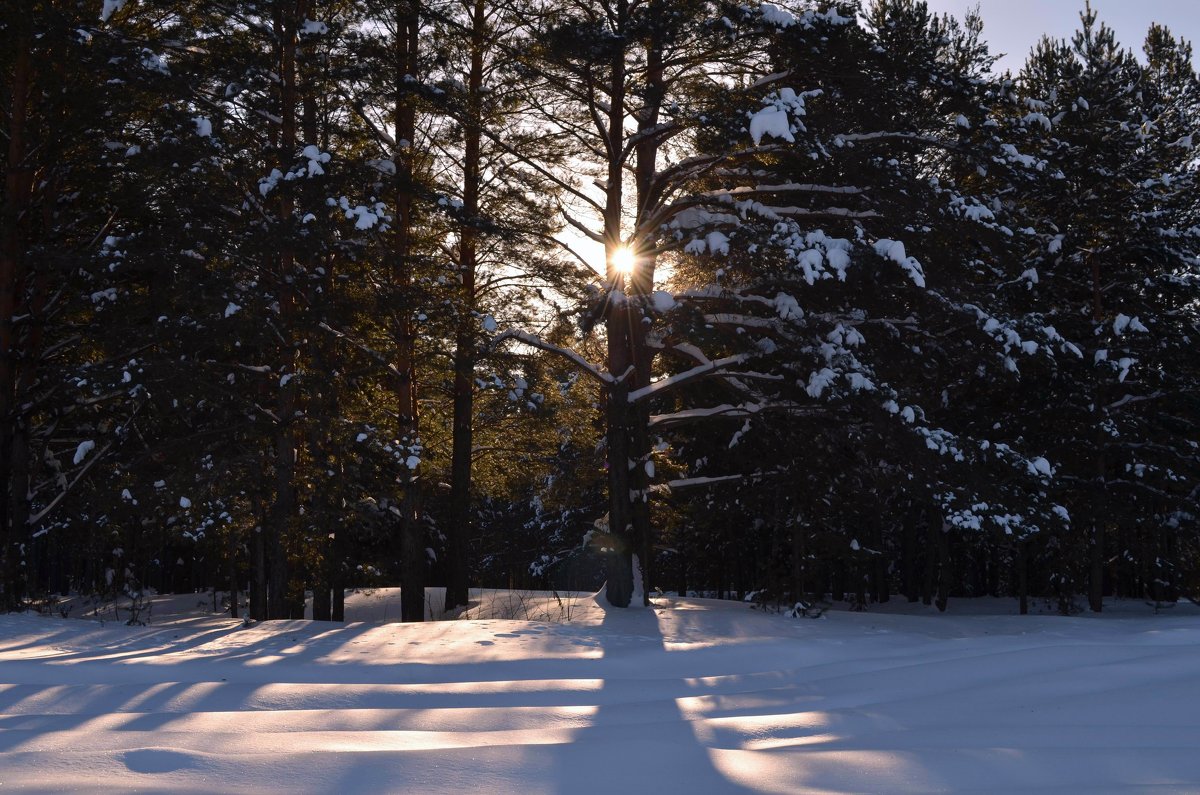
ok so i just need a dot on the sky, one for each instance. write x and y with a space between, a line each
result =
1014 26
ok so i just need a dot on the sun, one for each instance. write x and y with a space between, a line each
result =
623 260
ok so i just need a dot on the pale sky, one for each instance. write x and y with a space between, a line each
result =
1014 26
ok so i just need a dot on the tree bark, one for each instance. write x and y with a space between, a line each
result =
258 579
284 510
1096 542
412 535
18 185
1023 575
458 528
619 562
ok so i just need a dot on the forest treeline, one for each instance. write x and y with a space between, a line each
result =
786 301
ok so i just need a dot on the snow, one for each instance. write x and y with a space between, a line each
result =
717 243
1122 322
82 451
315 158
774 15
771 121
894 250
1040 466
691 696
818 382
110 7
663 301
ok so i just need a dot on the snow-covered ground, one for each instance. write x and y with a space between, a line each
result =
695 696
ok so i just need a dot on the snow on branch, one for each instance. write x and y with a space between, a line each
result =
735 412
679 379
689 483
33 520
534 341
787 187
374 354
687 415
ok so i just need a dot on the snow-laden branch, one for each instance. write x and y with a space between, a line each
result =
534 341
1134 399
374 354
679 379
767 80
58 498
666 130
786 187
688 415
690 483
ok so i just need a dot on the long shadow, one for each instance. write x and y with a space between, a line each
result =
638 739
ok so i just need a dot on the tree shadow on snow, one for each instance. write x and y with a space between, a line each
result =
638 738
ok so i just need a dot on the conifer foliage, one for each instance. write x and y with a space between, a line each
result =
795 299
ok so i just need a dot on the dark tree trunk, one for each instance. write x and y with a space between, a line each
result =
1096 545
258 579
798 583
908 559
1023 575
458 528
232 574
411 528
287 402
619 561
337 576
322 601
18 184
942 539
640 286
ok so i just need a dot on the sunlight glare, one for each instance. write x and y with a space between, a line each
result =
622 260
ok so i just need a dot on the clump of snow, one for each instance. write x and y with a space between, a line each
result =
81 452
774 15
771 121
1122 322
315 158
894 250
110 7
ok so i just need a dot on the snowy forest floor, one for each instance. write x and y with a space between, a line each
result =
695 696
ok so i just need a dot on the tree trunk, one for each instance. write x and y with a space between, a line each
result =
322 600
1023 575
258 579
640 286
232 575
411 529
940 528
1096 545
619 561
284 512
458 528
18 185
